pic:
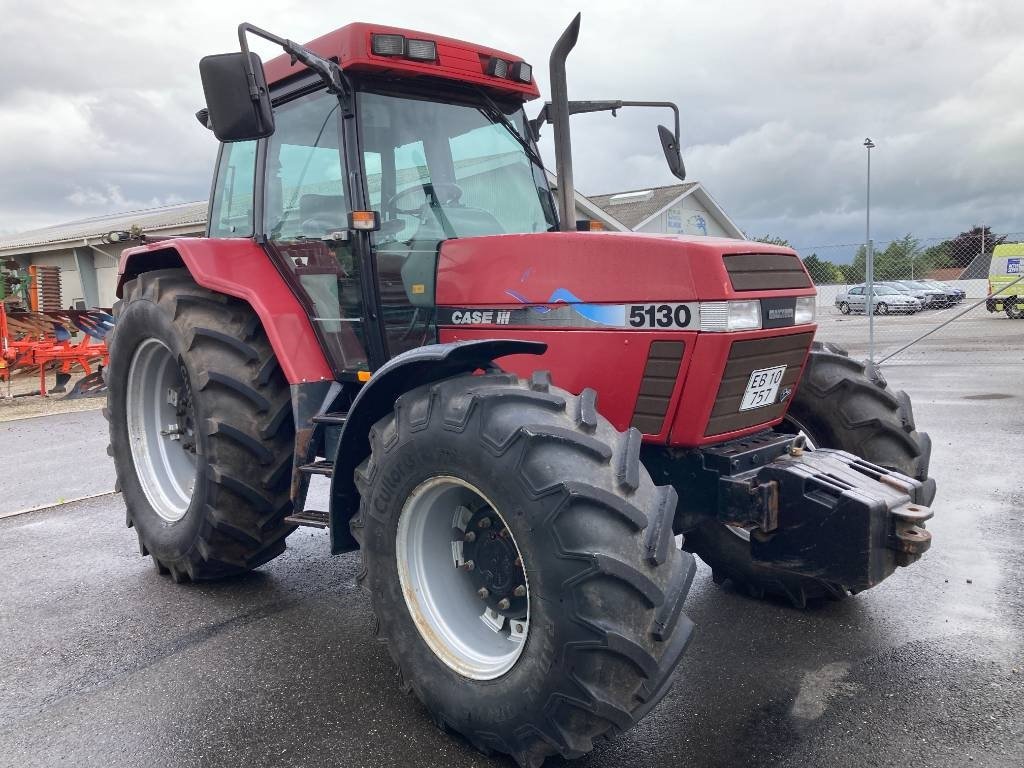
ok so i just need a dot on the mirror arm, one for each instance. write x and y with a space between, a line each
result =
329 71
582 107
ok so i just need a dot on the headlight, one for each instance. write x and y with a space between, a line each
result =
744 315
805 307
721 316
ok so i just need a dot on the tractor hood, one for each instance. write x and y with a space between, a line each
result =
580 268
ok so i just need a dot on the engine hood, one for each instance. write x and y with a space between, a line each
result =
612 267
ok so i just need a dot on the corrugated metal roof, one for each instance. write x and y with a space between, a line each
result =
149 219
636 206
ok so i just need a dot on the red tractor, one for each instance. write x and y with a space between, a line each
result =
519 420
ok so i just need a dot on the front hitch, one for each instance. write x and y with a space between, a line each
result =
823 513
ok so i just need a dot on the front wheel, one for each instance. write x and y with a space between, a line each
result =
521 564
841 403
882 308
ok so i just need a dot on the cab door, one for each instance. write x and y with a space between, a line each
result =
306 202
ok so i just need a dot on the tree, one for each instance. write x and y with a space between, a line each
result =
772 240
823 271
962 249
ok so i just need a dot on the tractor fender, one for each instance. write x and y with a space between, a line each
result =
377 399
241 268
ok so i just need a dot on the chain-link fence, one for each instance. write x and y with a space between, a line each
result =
918 283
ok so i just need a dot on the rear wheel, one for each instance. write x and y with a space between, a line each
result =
844 307
1014 309
200 428
842 404
521 564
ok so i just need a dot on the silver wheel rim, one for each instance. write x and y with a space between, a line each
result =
809 444
166 470
455 621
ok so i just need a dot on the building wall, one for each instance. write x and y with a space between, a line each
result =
687 217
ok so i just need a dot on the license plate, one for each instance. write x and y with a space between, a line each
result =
762 388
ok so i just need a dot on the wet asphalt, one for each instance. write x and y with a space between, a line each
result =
105 663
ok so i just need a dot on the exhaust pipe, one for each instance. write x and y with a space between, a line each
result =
560 118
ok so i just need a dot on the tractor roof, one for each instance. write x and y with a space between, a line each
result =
351 47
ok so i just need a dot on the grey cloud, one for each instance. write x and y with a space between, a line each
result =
97 102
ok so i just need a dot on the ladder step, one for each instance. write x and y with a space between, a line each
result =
337 418
311 518
322 467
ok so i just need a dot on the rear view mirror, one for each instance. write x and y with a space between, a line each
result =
672 154
236 96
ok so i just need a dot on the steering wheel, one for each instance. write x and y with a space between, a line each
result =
442 192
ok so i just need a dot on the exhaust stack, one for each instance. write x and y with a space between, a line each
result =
560 118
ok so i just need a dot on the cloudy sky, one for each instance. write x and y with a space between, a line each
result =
97 102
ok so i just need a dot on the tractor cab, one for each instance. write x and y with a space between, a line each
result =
354 192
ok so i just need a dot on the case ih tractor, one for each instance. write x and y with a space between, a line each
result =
518 419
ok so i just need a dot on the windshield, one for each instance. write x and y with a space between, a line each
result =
437 170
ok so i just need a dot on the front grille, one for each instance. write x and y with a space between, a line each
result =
657 385
745 357
765 271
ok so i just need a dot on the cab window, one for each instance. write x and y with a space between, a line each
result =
306 219
232 212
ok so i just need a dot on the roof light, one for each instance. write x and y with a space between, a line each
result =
368 221
421 50
497 67
388 45
522 72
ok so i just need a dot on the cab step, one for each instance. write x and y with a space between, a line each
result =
323 467
336 418
310 518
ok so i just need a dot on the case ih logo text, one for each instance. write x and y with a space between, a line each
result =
481 317
784 313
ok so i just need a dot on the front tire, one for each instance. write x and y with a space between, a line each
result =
882 309
840 403
589 541
200 428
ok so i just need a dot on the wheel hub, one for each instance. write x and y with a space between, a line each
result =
497 569
462 578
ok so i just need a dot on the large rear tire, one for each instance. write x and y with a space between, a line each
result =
201 428
574 521
840 403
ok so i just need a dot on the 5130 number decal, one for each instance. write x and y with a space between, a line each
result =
662 315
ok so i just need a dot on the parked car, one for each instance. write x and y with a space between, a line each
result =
958 294
918 293
933 296
886 300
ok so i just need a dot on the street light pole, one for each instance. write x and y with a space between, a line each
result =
869 264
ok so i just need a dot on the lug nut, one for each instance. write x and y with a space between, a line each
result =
469 565
504 533
483 593
504 604
469 538
520 591
519 562
485 522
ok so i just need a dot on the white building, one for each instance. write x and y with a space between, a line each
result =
679 209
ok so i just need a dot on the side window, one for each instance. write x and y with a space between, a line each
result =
856 291
232 213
